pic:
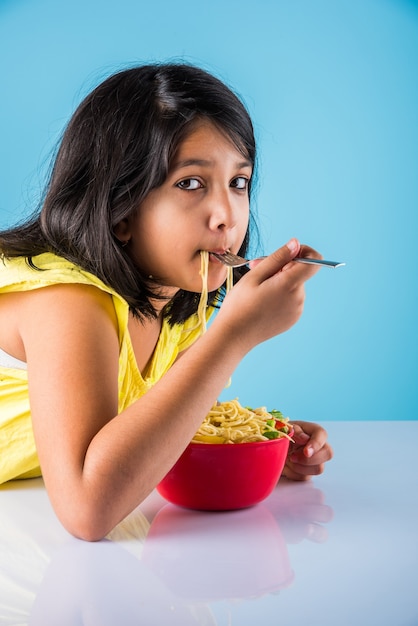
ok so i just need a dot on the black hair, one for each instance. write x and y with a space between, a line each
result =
117 147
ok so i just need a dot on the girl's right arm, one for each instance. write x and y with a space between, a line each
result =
97 465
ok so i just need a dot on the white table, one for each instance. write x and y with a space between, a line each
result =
341 550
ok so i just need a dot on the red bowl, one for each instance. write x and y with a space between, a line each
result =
222 477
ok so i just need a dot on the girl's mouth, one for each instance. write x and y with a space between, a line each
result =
219 251
213 258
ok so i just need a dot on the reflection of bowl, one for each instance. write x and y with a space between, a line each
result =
219 477
232 555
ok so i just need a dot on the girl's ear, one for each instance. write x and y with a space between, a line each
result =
122 230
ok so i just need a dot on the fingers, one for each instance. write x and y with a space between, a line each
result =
300 437
307 251
282 295
312 436
302 471
273 263
280 260
309 452
292 473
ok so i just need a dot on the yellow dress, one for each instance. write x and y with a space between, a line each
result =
18 457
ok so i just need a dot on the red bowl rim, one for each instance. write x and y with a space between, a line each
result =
194 444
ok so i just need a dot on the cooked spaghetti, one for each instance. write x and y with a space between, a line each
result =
229 422
203 302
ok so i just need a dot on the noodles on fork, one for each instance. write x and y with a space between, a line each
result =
203 302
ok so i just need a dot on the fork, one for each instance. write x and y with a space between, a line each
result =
233 260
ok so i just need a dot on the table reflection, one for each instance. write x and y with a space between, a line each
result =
103 584
217 556
166 567
301 511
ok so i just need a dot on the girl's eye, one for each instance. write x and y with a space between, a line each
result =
189 184
240 182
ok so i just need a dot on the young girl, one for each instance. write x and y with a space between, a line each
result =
105 375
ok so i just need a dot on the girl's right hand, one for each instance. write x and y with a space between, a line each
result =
269 299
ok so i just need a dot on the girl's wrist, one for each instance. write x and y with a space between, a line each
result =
229 338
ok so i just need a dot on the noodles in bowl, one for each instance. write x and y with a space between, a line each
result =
234 460
229 422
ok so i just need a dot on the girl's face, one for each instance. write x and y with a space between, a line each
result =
202 205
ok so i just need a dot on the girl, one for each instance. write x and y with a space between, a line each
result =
102 381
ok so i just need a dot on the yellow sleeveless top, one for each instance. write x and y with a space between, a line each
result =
18 457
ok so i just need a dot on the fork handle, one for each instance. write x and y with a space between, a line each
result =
310 261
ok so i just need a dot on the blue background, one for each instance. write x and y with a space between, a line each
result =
332 86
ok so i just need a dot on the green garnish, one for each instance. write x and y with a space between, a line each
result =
276 426
271 434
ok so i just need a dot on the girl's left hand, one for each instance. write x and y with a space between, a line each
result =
309 452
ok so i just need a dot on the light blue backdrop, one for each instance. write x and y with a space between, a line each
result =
333 89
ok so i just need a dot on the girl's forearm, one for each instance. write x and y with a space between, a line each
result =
133 452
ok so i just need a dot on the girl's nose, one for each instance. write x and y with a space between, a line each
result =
222 215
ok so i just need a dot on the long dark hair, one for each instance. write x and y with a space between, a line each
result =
117 148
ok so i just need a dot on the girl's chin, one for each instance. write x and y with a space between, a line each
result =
216 278
215 286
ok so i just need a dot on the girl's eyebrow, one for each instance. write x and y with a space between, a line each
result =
205 163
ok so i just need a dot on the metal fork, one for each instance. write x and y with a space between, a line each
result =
233 260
